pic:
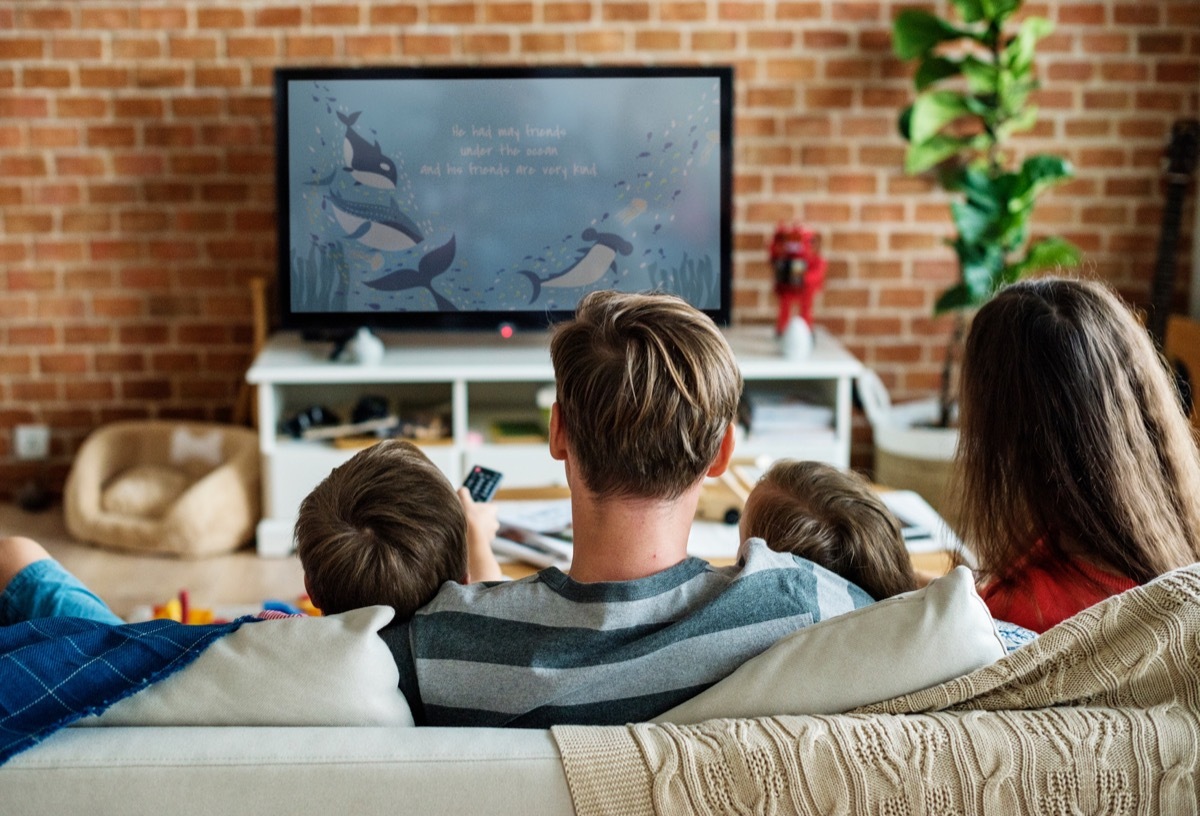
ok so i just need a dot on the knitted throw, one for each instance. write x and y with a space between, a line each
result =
1100 715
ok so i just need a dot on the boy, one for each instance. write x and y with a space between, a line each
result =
385 527
832 518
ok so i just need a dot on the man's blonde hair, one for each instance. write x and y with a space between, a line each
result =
385 527
647 386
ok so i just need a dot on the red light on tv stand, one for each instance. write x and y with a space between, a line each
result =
507 330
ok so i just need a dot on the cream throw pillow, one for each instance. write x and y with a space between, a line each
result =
334 670
899 645
145 491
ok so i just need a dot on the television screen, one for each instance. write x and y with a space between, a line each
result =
474 197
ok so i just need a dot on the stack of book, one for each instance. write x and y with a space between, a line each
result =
769 414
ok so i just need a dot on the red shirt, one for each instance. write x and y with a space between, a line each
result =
1039 596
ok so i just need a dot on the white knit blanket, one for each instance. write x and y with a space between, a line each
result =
1100 715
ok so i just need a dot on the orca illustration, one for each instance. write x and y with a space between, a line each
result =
374 225
593 262
433 264
364 161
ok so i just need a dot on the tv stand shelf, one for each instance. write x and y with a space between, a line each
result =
477 378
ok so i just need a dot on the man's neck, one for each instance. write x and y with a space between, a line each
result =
622 539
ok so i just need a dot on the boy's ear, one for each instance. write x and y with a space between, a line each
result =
724 453
308 591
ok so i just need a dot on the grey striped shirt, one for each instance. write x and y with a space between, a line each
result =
548 650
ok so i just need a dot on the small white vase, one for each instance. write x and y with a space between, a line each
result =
366 348
797 340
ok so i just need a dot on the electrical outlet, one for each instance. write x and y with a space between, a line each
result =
31 441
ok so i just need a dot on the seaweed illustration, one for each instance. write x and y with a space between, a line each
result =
693 280
321 281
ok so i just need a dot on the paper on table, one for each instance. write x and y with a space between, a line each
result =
912 509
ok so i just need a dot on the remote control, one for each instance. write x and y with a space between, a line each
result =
482 482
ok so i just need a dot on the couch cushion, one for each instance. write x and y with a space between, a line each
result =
899 645
143 490
334 670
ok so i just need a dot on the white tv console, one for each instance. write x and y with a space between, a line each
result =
482 378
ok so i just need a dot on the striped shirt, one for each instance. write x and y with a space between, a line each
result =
548 650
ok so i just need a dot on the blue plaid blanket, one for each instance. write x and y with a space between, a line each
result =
57 670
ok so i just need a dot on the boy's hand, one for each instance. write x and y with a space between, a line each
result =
482 525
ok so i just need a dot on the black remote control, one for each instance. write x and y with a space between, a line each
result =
482 482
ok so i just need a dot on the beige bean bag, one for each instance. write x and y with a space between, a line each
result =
179 488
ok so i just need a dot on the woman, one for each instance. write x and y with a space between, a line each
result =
1079 473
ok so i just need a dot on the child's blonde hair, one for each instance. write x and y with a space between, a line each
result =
833 518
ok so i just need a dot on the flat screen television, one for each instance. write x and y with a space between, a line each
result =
470 198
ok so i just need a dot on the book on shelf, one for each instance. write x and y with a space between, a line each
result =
514 431
766 412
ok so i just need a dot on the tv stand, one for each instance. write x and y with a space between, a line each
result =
479 381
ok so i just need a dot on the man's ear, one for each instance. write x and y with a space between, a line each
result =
724 453
558 434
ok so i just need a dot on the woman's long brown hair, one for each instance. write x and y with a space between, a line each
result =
1072 435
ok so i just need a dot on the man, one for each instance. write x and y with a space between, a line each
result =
647 393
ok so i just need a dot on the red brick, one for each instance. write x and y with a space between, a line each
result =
281 17
224 18
657 40
335 15
394 14
581 12
508 13
605 41
624 12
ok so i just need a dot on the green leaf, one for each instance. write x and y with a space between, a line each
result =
1049 253
972 11
956 297
916 32
920 157
971 222
1037 173
1018 54
933 110
1024 120
1001 10
981 75
934 69
904 123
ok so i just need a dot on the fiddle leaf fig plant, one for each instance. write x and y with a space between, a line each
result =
973 82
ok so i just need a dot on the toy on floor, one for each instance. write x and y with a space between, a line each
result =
180 609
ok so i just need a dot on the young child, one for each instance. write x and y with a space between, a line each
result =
1079 473
385 527
832 518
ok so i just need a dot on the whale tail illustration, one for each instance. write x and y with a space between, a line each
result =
535 280
434 263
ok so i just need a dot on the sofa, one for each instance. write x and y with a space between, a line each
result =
906 706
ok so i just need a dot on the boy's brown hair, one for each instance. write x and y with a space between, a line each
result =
647 387
385 527
834 519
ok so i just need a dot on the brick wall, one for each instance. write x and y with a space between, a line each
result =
136 169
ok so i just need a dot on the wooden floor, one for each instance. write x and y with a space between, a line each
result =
129 582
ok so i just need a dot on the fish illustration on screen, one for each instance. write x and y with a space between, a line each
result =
378 226
364 161
429 267
593 262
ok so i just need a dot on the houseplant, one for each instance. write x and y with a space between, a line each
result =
973 81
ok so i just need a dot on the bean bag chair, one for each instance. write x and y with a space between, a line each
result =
188 489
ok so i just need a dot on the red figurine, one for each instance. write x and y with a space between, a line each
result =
799 272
